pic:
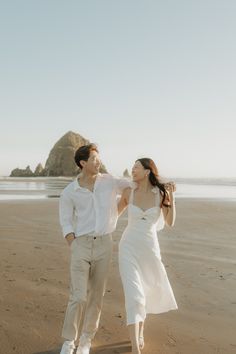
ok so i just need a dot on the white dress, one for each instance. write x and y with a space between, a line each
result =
145 282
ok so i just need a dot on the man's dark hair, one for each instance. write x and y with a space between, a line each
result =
83 153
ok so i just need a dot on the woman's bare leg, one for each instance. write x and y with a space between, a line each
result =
141 335
134 337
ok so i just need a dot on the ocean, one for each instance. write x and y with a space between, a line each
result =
12 188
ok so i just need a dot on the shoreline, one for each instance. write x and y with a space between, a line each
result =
40 195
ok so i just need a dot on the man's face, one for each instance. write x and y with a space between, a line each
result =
93 164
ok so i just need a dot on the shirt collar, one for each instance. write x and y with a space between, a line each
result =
76 183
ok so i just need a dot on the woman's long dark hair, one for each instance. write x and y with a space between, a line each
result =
149 164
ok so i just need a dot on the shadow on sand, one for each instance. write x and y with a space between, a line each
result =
114 348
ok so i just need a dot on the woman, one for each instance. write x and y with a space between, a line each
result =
145 282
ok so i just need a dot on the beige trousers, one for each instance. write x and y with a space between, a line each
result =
90 260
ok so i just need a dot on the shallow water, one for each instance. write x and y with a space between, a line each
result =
51 187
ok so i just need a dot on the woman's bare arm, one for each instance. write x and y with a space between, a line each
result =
124 200
168 209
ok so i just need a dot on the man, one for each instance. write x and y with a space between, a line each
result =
88 216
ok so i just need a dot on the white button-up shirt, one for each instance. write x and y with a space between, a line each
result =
85 212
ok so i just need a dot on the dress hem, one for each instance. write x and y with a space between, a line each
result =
151 313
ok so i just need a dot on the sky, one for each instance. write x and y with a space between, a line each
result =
141 78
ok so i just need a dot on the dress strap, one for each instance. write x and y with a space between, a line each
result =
131 196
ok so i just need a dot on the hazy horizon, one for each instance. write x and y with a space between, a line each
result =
154 78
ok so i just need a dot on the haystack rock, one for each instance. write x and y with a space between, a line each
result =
60 161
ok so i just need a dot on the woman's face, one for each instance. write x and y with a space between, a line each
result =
139 172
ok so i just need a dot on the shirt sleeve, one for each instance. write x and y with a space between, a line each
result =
66 213
121 184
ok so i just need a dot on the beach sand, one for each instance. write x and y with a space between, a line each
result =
200 258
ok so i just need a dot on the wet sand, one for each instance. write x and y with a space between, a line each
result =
200 258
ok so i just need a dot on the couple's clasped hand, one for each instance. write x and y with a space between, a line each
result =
170 187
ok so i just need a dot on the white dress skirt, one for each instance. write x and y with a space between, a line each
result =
145 282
